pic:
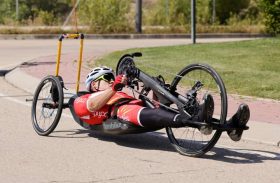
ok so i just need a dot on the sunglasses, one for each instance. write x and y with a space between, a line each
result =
106 77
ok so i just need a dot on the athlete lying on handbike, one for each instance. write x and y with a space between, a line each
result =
105 91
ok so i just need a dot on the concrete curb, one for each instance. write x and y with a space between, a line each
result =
21 80
261 132
26 82
136 36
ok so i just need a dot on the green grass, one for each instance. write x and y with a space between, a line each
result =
248 67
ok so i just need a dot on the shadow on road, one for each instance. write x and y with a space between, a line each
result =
28 64
145 141
241 156
159 141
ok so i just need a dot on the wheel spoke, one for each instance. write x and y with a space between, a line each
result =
45 119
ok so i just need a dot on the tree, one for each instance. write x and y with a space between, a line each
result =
31 9
271 9
7 9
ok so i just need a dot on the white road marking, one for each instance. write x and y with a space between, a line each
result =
25 103
3 96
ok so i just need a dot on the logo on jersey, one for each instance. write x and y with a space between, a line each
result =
113 125
99 114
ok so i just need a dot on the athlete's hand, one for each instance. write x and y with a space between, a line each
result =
119 83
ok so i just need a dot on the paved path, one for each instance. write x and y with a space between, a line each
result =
72 154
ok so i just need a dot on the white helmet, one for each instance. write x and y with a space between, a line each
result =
96 73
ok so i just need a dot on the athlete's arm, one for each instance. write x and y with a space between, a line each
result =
99 99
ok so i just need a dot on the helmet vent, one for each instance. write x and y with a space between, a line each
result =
93 73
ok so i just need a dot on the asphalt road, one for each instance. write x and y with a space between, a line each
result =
72 154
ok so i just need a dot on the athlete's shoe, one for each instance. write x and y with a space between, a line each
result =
239 120
206 109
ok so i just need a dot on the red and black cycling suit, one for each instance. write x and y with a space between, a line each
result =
132 112
128 112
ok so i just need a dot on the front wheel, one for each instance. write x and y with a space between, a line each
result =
192 141
47 105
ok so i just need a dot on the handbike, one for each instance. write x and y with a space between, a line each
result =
183 96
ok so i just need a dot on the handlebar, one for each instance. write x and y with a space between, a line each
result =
71 36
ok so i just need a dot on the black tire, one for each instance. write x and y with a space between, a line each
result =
186 142
49 92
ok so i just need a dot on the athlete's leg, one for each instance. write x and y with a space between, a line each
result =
159 118
147 117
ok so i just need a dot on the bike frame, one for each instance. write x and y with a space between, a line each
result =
163 92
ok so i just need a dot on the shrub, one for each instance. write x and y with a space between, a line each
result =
171 12
30 10
271 9
105 16
226 8
47 17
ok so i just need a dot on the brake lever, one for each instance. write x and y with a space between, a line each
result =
193 92
197 86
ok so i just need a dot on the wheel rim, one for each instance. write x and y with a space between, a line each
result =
192 141
45 119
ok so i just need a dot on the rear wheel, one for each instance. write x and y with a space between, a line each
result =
192 141
47 105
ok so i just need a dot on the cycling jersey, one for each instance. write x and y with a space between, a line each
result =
128 112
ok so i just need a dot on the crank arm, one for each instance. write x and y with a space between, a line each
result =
225 127
50 105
